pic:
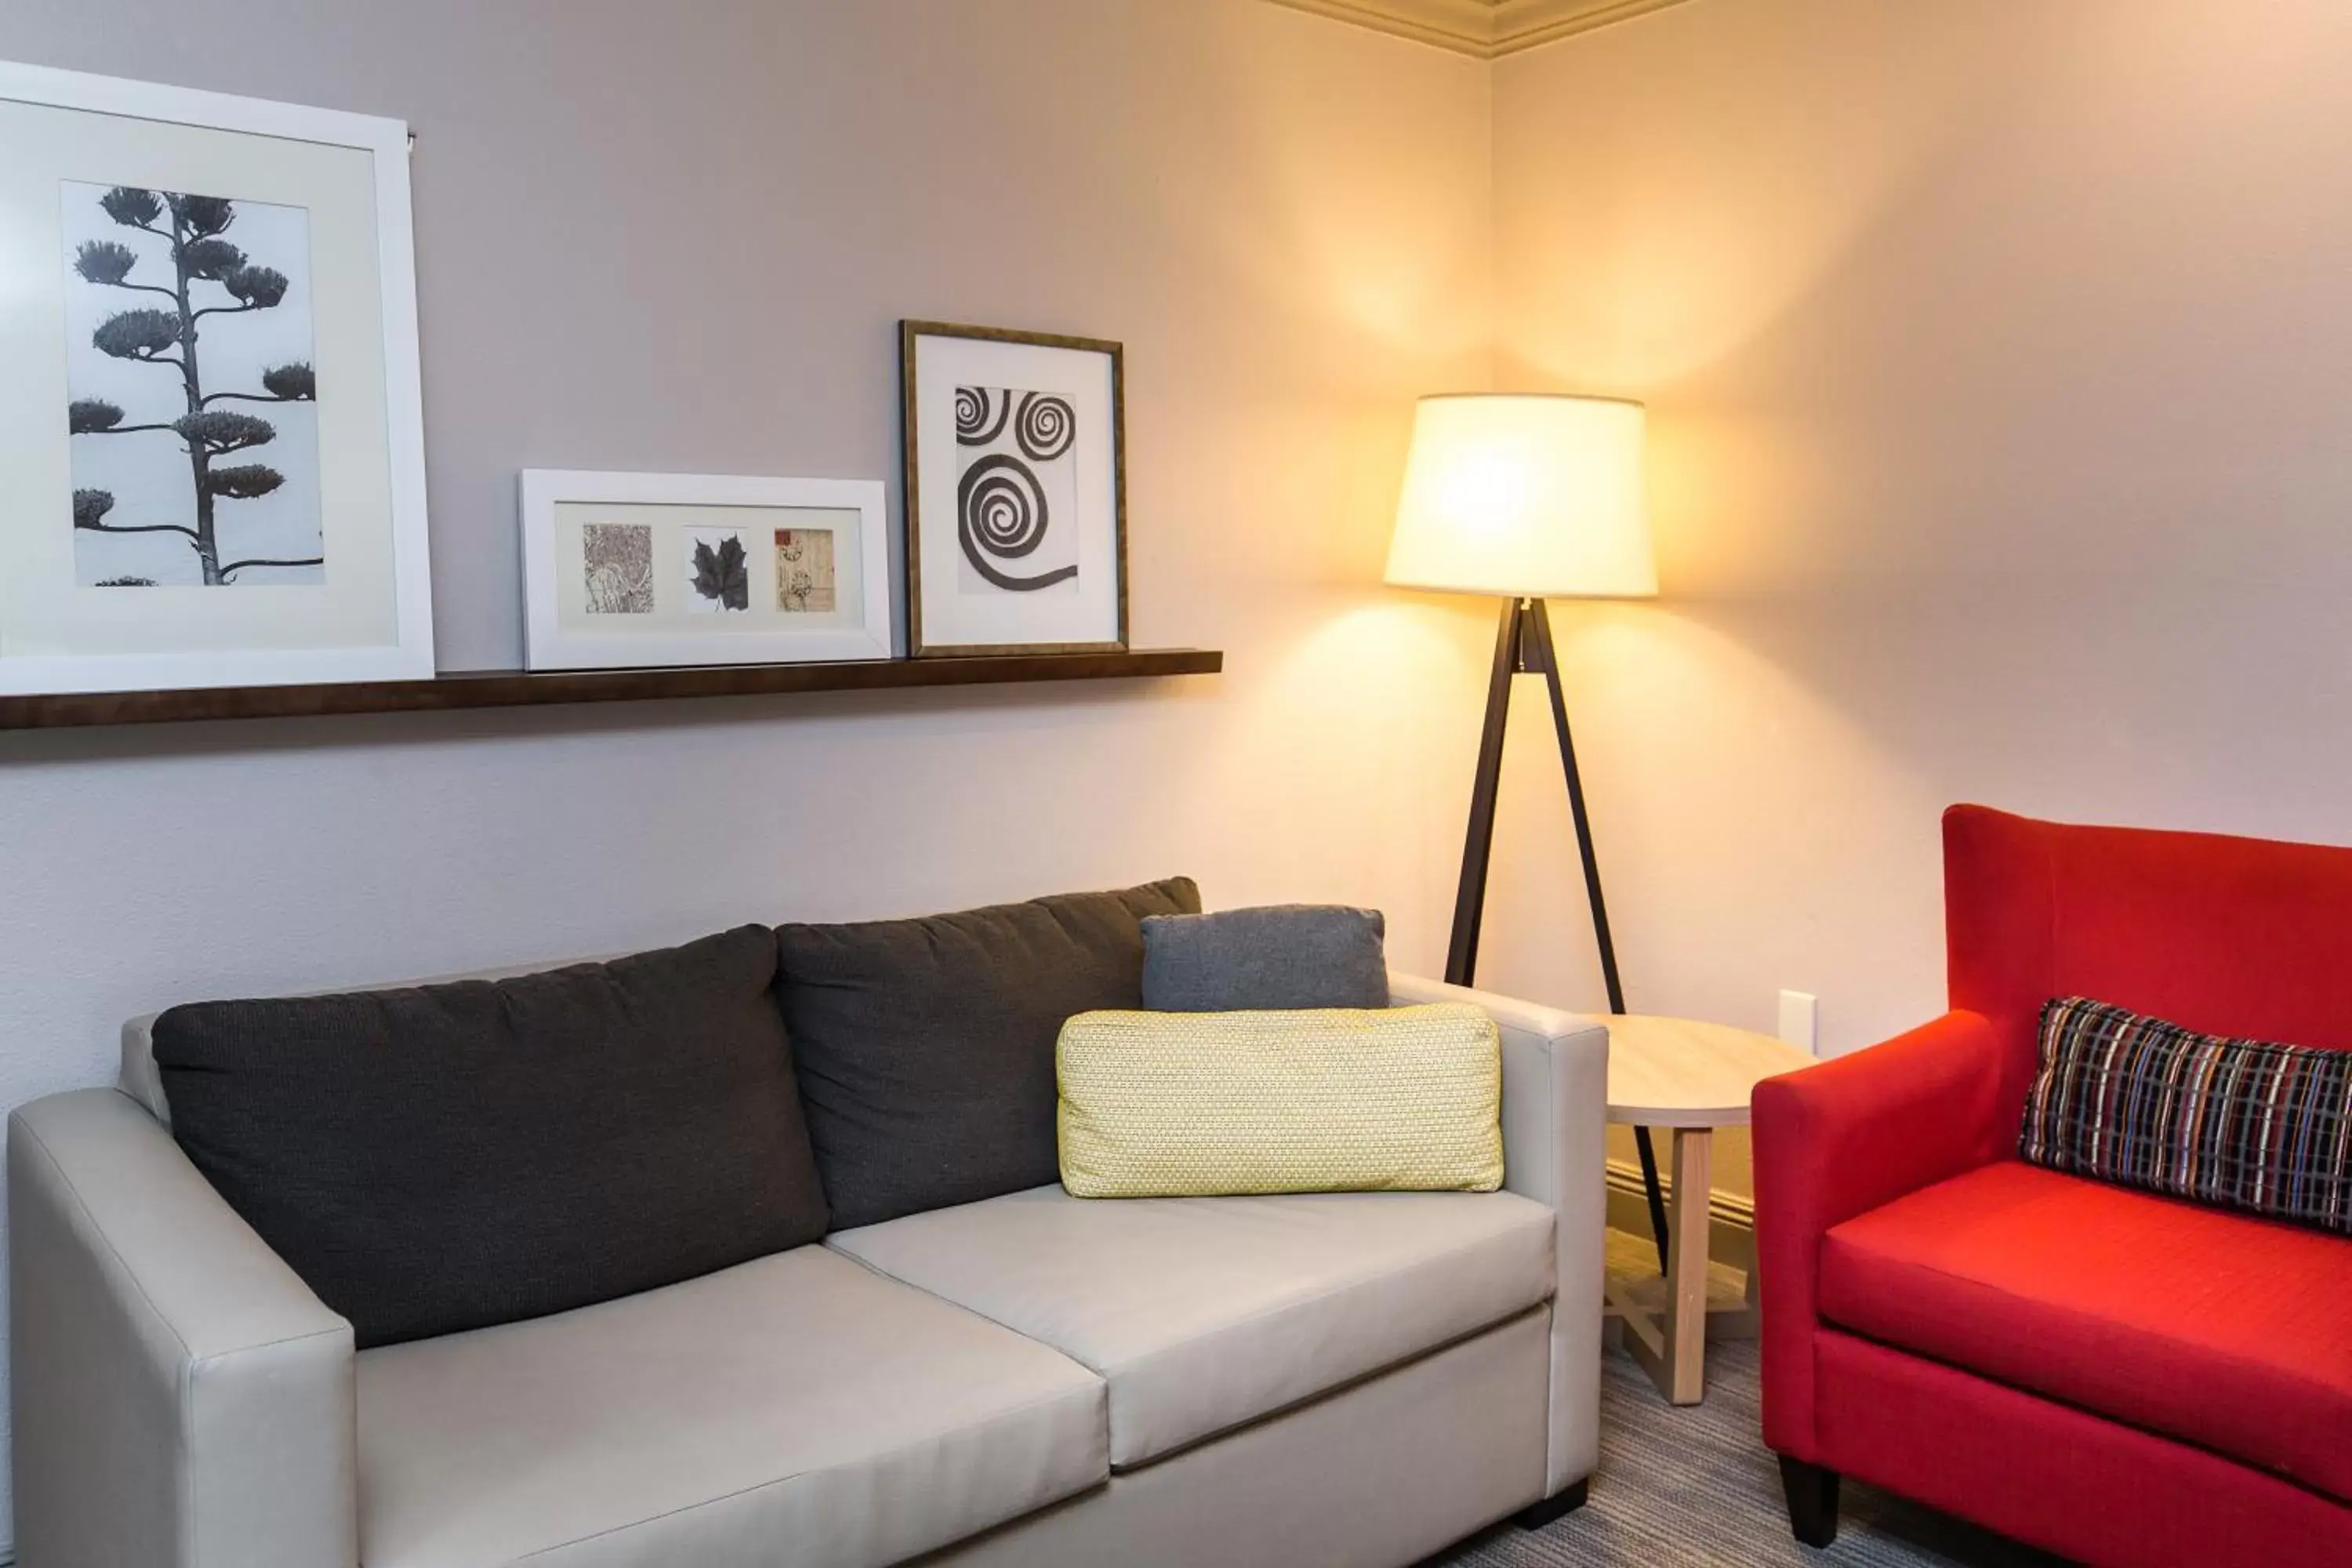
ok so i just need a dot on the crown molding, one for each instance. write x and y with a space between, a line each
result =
1466 27
1528 23
1484 29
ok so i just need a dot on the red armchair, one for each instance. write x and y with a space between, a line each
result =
2117 1377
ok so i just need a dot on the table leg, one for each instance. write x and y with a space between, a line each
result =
1671 1348
1684 1379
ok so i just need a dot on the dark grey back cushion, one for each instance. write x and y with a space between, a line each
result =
1283 956
447 1157
926 1046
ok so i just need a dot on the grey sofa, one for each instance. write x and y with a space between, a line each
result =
1343 1379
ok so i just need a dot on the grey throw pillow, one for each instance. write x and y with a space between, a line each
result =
1282 956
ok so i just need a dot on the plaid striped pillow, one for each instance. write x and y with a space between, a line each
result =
2241 1124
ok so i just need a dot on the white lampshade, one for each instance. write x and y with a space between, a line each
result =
1532 497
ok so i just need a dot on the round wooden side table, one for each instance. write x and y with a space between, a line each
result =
1689 1078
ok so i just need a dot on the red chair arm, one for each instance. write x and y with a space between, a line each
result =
1841 1139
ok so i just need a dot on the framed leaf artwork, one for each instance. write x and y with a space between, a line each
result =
638 571
209 404
1016 491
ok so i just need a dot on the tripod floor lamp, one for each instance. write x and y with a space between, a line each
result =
1528 499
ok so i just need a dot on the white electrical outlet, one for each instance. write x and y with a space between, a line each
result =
1800 1021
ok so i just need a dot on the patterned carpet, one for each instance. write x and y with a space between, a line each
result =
1697 1487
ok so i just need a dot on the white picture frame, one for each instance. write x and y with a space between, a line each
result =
358 606
652 612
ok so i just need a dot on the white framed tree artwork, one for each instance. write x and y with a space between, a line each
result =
209 394
160 316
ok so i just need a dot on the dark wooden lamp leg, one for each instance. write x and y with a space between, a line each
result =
1470 897
1812 1494
1522 645
1559 1504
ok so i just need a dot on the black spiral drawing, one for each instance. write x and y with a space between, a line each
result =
1002 518
1046 427
980 414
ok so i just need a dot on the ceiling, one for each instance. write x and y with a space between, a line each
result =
1485 28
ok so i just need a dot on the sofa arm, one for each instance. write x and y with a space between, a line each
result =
1555 1150
1845 1137
179 1397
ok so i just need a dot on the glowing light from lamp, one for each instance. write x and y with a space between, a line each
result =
1523 496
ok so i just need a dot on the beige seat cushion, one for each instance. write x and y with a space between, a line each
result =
1205 1313
797 1408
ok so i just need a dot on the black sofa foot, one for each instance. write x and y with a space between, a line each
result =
1812 1494
1557 1506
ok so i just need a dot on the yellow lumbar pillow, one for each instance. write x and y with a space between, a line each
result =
1328 1100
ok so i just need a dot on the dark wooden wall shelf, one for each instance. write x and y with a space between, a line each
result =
518 688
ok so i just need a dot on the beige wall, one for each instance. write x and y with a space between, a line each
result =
678 236
1999 362
1998 354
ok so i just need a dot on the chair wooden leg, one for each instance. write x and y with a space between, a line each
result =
1561 1504
1812 1494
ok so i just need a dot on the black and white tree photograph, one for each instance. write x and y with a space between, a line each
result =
1016 490
193 390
